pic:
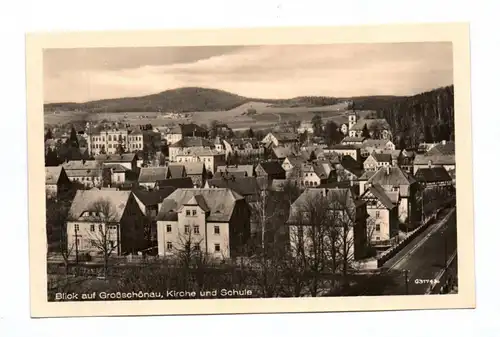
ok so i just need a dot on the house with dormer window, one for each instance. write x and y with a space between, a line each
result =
215 221
106 215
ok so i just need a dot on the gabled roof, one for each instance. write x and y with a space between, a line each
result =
176 171
117 168
118 158
219 203
424 159
154 197
376 143
85 201
344 147
393 153
194 168
243 186
285 136
371 124
198 200
350 164
52 174
443 149
391 176
378 192
80 165
193 142
272 167
228 175
152 174
175 182
381 157
433 174
353 139
248 169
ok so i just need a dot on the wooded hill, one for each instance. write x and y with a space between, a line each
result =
429 117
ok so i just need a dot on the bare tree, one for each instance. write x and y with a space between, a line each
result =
105 237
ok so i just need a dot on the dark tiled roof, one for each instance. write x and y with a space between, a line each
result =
433 174
367 175
236 174
193 142
154 197
248 169
176 171
382 157
424 159
175 182
353 139
243 186
444 149
350 164
272 168
391 176
119 158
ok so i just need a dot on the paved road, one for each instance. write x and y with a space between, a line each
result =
424 258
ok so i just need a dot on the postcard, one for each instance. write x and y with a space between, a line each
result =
267 170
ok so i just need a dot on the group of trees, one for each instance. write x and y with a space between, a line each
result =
329 131
62 151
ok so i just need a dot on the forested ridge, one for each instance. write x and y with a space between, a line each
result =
426 117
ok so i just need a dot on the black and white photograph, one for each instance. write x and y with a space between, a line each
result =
251 171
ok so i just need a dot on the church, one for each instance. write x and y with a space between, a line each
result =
378 128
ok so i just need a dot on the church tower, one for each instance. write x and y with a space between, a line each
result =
353 116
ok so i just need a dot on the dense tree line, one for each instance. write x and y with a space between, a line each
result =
426 117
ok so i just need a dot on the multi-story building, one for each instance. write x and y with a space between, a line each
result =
214 221
56 181
105 222
86 172
211 158
188 143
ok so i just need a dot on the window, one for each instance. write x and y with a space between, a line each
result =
194 212
197 246
169 245
377 238
186 229
169 228
92 228
188 212
196 229
111 244
114 138
77 227
216 230
217 247
118 178
100 228
377 214
377 227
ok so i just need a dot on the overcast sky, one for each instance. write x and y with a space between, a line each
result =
79 75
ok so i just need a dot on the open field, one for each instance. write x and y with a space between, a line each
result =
265 116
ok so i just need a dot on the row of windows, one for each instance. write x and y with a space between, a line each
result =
85 178
92 227
309 183
196 229
116 138
191 212
196 246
